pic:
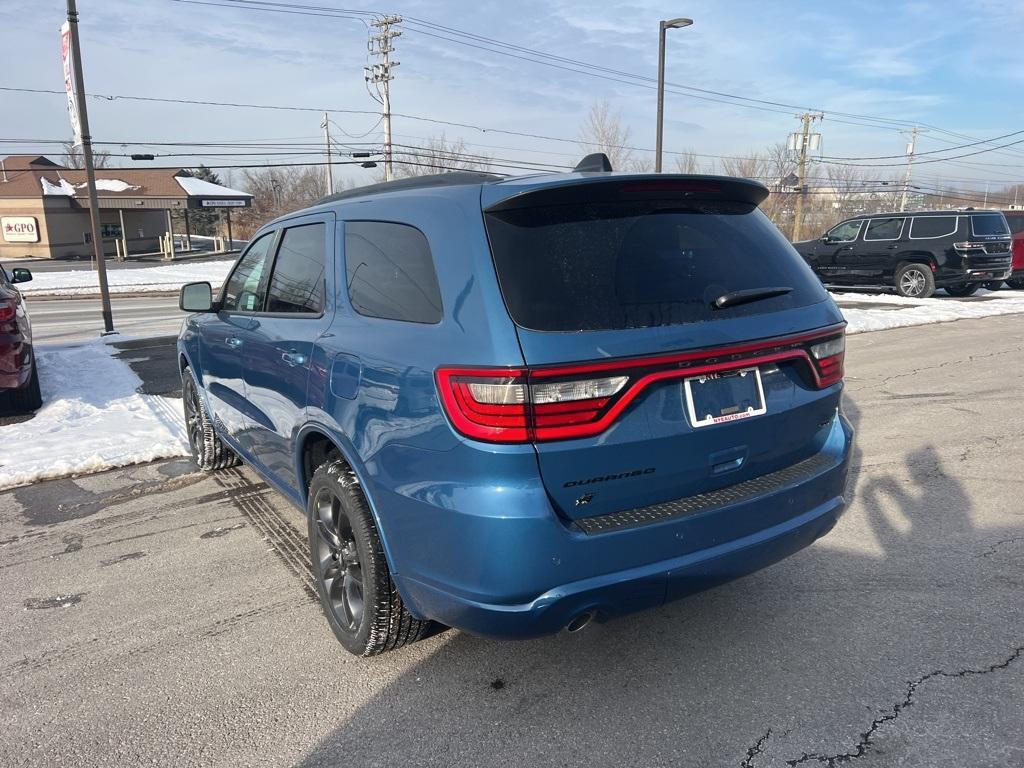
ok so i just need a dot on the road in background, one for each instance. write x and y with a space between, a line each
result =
160 616
62 320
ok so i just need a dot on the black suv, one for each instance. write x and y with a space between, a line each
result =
914 252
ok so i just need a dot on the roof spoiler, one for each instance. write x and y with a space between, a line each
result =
597 162
637 188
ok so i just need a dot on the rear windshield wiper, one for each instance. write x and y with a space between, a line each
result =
733 298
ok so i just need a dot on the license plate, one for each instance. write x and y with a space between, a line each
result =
716 398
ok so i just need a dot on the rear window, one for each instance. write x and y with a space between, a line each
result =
992 224
617 265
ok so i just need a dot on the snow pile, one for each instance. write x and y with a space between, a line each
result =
92 419
145 280
926 311
110 185
200 188
64 188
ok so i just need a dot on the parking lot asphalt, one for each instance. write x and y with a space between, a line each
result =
160 616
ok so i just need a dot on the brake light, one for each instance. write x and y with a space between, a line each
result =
828 356
7 311
519 405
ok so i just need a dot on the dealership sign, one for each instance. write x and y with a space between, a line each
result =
20 229
224 203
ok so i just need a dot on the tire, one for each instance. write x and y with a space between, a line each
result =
965 289
357 594
1017 283
208 451
915 281
28 399
993 285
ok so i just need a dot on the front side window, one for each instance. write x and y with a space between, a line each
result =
390 272
297 283
245 289
844 233
989 225
932 226
883 229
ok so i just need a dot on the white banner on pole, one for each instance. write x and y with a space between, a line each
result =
69 81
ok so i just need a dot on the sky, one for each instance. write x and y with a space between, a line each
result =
951 66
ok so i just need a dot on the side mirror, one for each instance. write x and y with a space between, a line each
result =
825 238
20 275
196 297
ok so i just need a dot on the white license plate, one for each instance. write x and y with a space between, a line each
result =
716 398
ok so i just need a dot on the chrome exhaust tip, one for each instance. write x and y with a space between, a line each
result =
580 622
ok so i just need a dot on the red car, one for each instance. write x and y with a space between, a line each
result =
1016 221
19 379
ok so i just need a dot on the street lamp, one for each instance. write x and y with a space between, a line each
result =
670 24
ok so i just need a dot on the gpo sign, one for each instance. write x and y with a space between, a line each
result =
20 229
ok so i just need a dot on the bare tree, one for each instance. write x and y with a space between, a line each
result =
753 166
277 191
73 157
603 131
437 156
686 162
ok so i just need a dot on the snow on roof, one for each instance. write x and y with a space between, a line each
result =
64 188
199 188
110 185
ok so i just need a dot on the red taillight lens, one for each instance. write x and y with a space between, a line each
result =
828 357
7 311
519 405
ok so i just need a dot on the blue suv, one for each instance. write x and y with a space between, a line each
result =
514 405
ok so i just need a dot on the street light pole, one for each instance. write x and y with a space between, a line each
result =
663 26
90 171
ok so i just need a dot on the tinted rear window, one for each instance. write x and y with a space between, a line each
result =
615 265
993 224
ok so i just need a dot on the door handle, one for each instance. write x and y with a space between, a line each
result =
846 248
893 247
293 358
233 341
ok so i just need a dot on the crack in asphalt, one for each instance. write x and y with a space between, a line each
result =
866 738
996 545
755 750
945 364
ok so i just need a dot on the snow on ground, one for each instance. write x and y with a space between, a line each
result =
925 311
144 280
92 419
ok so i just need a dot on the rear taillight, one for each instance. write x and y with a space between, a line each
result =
828 357
519 405
8 311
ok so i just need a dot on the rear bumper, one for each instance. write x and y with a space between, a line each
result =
15 364
794 516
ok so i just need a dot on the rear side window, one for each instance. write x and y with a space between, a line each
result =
244 290
932 226
883 229
988 225
297 284
1016 223
391 272
616 265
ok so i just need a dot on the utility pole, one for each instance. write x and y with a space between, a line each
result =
380 75
801 142
327 146
90 171
911 148
662 28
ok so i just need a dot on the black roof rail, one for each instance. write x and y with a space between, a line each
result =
451 179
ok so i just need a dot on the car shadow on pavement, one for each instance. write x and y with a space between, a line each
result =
793 663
